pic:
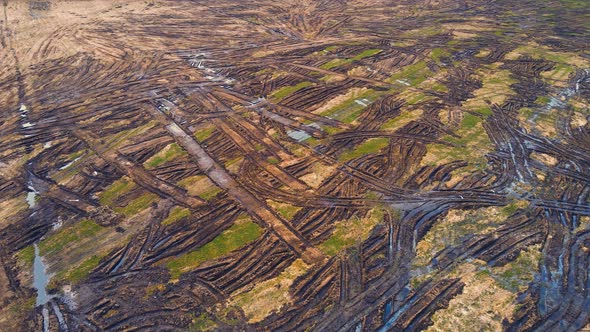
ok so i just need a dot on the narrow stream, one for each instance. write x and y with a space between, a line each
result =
40 276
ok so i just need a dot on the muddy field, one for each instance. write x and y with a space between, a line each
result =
321 166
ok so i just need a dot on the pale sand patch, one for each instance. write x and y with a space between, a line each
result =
463 35
544 158
578 120
475 26
483 53
318 174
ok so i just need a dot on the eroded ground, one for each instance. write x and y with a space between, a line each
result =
322 165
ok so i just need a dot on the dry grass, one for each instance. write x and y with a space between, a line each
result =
10 208
338 100
449 230
481 307
350 231
542 52
270 295
196 185
495 88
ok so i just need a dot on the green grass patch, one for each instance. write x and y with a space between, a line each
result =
116 190
353 115
26 255
204 133
559 74
169 153
139 204
526 112
233 165
516 275
334 63
288 211
176 214
340 62
200 185
289 90
68 172
117 140
471 145
450 230
438 53
77 154
576 4
542 100
81 271
344 109
370 146
439 87
418 97
326 50
210 193
401 120
259 147
69 235
237 236
510 209
365 54
349 110
202 323
348 232
485 111
470 120
513 207
412 74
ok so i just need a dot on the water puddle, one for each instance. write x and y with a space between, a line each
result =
388 311
40 281
40 278
300 135
69 164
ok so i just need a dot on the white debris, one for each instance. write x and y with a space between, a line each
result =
360 102
403 82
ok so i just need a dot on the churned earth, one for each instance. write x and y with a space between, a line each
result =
371 165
